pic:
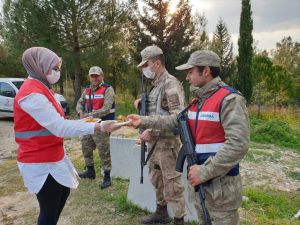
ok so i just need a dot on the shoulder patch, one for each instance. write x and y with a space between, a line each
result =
174 100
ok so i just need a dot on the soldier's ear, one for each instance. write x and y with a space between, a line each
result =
206 71
159 62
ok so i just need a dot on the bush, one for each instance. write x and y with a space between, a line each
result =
274 131
124 106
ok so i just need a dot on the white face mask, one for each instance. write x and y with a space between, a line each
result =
53 77
149 73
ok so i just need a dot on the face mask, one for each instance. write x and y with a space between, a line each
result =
149 73
53 77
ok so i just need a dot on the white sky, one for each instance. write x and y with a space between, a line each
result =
272 19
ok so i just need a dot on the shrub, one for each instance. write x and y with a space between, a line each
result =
274 131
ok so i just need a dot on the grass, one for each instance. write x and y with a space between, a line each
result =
271 206
10 179
294 175
258 154
89 205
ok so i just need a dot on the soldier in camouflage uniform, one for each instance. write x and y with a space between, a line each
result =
165 98
97 100
220 128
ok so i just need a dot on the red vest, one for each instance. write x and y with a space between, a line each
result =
95 101
36 144
209 136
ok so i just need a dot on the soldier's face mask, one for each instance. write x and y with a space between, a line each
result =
148 71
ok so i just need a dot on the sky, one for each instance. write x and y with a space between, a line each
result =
272 19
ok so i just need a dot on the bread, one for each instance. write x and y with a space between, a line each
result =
91 120
121 118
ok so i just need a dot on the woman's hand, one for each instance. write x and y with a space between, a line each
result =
107 126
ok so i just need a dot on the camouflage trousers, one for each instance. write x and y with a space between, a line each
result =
101 141
223 197
165 179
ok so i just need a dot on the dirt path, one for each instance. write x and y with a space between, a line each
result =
8 146
265 165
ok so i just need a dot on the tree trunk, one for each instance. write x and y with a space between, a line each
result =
77 82
113 78
258 101
61 86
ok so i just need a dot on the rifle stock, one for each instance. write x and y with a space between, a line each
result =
187 151
180 160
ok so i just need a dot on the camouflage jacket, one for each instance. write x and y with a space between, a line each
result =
165 98
109 98
235 121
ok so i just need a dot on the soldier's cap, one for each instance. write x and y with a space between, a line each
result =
201 58
95 70
148 53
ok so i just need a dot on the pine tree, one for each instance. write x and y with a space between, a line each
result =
173 33
201 39
222 45
244 59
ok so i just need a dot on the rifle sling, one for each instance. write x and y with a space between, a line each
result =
150 153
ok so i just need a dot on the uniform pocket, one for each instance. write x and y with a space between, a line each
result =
174 185
224 193
217 192
232 191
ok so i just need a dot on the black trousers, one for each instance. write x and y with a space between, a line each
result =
52 198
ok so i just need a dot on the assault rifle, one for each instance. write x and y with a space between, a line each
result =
188 151
143 112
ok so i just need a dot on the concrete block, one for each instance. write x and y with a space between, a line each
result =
126 164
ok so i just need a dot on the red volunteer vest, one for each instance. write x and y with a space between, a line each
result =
95 101
36 144
209 136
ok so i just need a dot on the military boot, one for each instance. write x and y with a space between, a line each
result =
88 173
160 216
106 180
179 221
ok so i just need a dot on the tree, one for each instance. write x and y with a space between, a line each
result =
201 39
261 70
244 59
172 33
222 45
69 27
287 54
278 84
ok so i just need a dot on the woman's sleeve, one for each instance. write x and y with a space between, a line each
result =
42 110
